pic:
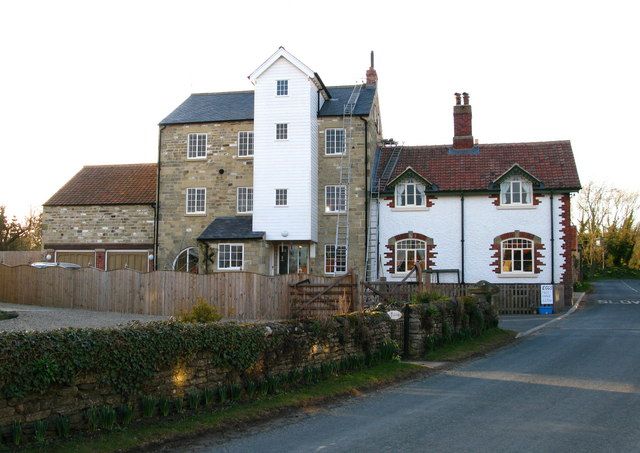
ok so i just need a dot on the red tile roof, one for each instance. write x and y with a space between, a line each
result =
551 162
109 184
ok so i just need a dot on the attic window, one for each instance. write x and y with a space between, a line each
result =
515 192
282 88
409 194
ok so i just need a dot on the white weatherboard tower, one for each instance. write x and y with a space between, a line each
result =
285 175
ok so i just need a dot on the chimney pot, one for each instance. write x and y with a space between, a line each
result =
372 75
457 98
466 98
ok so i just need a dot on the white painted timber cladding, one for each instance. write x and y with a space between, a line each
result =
483 222
285 164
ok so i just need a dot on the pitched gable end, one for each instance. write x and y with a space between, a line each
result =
517 170
409 172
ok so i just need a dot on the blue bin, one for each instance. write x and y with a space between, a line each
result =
545 310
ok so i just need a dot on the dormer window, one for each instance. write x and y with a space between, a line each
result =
515 192
282 88
409 194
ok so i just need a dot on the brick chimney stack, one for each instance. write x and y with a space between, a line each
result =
372 75
463 138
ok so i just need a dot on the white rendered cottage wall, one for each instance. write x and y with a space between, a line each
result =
285 164
483 223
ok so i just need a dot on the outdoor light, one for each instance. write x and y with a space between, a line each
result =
150 257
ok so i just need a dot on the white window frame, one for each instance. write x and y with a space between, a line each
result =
282 133
279 197
245 144
513 250
204 201
197 152
282 87
329 250
335 192
331 141
247 193
187 251
417 193
232 246
406 251
508 189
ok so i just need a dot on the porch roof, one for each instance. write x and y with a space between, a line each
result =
234 227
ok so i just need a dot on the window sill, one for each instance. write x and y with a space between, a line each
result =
281 206
334 154
230 269
196 214
335 213
410 209
517 275
196 159
245 157
245 213
515 207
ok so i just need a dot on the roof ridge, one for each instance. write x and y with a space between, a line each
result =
449 145
121 165
222 92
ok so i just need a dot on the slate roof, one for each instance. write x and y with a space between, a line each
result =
551 162
223 228
238 105
107 185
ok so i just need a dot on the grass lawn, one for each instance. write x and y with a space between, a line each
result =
464 349
158 431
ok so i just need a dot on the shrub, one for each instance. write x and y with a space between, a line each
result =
178 404
40 431
126 414
62 425
107 417
235 391
427 297
148 404
164 406
16 433
93 418
208 396
201 312
193 400
222 394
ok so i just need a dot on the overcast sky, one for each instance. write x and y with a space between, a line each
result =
87 82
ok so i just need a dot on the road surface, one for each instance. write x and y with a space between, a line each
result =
573 386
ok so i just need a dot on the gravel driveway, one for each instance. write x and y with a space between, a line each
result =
34 317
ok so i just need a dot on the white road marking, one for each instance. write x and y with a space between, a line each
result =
535 329
629 286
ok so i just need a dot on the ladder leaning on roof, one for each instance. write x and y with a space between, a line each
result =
373 233
342 220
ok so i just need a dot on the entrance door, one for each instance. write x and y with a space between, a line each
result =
283 259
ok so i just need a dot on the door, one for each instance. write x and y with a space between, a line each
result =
283 259
138 261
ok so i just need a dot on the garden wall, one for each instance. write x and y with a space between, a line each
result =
46 375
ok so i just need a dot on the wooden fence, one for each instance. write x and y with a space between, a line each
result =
322 297
20 258
237 295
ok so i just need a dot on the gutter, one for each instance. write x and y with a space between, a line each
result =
462 236
366 189
156 217
553 253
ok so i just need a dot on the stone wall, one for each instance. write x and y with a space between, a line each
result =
256 256
303 345
221 173
95 225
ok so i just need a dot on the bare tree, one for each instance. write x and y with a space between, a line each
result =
20 236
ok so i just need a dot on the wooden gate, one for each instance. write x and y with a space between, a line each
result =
315 299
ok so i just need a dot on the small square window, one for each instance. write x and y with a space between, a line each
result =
245 144
282 88
245 200
281 197
230 256
196 146
196 200
282 132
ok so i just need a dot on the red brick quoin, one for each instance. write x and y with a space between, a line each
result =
391 201
568 243
538 246
390 255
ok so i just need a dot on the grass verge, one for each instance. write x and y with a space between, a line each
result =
471 347
172 429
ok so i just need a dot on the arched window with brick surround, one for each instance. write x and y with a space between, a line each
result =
406 249
517 254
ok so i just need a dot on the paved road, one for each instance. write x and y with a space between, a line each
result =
573 386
